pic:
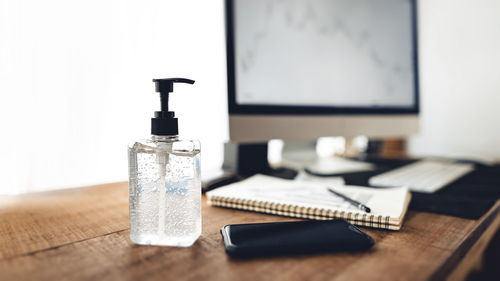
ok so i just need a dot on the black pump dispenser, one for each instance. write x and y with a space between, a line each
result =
164 123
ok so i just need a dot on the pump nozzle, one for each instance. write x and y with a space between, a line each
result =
164 123
166 85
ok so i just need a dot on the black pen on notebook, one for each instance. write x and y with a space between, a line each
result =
351 201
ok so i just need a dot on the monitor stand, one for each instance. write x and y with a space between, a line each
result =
250 159
298 154
302 155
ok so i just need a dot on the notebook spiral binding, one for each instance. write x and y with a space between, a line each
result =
295 211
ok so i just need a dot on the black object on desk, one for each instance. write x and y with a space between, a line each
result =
292 238
469 197
225 179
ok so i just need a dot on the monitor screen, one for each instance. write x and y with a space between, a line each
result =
322 56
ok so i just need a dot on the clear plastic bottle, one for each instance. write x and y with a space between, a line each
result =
164 181
165 191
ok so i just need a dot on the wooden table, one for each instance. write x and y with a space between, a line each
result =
82 234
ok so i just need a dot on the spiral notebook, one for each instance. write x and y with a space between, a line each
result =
312 200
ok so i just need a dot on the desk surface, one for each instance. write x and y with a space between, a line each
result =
82 234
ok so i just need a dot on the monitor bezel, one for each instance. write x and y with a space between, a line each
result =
258 109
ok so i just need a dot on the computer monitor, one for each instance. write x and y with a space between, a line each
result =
303 69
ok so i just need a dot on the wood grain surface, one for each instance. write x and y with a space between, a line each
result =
82 234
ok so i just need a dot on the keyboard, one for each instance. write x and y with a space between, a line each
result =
425 176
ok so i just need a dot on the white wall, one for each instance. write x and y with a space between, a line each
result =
75 85
460 78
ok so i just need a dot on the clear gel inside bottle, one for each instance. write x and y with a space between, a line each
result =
165 191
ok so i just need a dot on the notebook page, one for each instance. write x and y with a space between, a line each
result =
385 202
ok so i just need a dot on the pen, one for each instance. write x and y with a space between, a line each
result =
353 202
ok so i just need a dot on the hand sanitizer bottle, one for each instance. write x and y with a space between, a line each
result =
164 181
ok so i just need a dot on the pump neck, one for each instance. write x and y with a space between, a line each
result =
165 138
